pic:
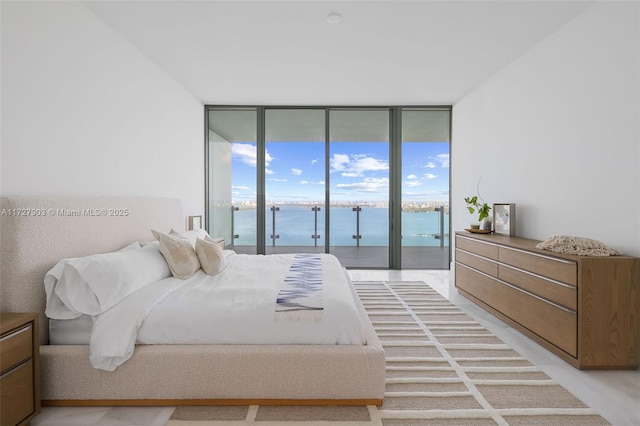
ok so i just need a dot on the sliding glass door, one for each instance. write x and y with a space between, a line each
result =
294 177
359 177
368 184
425 188
232 177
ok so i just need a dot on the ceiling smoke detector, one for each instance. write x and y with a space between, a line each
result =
334 18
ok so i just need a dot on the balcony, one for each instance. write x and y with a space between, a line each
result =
359 233
367 256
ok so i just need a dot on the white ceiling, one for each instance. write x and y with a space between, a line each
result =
286 53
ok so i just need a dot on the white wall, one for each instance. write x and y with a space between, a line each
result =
84 113
558 132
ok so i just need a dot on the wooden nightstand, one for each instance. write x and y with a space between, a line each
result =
19 368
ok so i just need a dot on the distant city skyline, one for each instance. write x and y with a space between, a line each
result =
359 171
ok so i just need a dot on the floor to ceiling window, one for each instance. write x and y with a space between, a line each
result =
359 186
231 177
368 184
294 177
425 187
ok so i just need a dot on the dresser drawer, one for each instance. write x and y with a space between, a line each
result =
553 323
16 386
478 247
477 262
555 291
15 347
561 270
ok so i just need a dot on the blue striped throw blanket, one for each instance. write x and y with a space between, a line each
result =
300 298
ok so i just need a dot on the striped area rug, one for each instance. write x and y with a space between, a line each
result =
443 368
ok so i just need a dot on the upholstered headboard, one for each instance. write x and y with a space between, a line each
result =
36 232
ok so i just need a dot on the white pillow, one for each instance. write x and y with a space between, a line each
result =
90 285
179 254
212 257
193 235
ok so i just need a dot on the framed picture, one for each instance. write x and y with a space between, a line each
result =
504 219
195 222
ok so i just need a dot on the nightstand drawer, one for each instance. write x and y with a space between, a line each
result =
16 386
15 347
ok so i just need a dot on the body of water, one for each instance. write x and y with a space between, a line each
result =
295 225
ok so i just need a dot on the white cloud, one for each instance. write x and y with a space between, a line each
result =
412 177
430 176
430 165
304 182
444 160
296 172
412 183
241 188
278 180
357 164
339 161
248 154
314 161
367 185
268 172
426 194
368 164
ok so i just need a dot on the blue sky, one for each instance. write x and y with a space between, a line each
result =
359 171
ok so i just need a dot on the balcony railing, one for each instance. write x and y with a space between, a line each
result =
292 225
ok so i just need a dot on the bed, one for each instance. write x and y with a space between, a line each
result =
37 232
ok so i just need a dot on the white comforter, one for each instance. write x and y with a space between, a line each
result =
236 306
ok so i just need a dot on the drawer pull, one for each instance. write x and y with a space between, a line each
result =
477 241
539 276
530 253
14 369
476 255
526 292
15 333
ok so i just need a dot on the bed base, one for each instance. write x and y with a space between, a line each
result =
218 375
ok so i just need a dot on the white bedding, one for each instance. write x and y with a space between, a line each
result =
75 331
236 306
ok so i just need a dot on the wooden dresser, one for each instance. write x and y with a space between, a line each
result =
20 369
583 309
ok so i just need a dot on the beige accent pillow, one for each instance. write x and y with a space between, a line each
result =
193 235
218 241
180 256
211 255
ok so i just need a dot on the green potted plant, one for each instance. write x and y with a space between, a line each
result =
474 205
